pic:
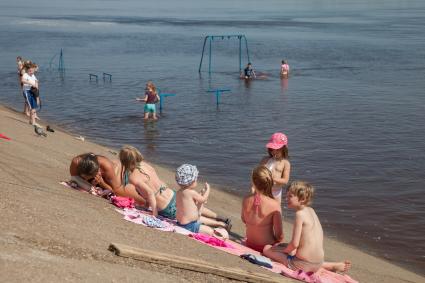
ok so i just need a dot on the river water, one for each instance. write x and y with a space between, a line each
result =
353 108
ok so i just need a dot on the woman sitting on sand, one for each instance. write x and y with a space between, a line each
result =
136 172
89 171
261 212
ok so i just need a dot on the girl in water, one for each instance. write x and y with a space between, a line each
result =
277 162
261 212
151 97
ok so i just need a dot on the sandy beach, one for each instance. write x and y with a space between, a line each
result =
50 233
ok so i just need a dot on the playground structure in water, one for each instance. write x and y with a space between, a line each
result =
211 38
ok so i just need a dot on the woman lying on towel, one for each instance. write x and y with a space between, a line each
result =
136 172
261 212
89 171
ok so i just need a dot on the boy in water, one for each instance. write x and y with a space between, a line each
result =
249 72
189 203
305 251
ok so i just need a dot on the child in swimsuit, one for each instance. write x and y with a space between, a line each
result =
277 162
151 97
190 203
284 69
305 250
137 172
261 212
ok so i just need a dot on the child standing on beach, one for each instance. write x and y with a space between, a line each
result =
277 162
189 203
151 97
29 81
305 251
261 212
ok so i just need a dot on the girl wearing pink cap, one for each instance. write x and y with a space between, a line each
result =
277 162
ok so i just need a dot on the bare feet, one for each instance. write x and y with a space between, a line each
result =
342 266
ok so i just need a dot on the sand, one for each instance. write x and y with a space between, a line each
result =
49 233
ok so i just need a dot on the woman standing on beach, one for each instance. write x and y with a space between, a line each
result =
89 170
29 87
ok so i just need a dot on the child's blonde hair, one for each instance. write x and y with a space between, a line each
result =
263 180
130 157
303 190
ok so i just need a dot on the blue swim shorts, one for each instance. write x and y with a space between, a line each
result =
150 108
191 226
170 210
30 99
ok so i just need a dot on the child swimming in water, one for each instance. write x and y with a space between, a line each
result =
277 162
305 250
261 212
189 203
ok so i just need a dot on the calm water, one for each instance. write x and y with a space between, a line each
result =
353 109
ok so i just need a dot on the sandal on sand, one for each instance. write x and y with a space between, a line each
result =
228 225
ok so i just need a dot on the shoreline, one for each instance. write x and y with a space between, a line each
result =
54 153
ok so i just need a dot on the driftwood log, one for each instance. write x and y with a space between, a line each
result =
191 264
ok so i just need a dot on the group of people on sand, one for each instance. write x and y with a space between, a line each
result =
249 73
131 176
29 87
262 214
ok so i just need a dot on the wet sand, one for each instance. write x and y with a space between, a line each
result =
52 233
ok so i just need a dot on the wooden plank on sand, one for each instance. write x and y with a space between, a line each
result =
189 264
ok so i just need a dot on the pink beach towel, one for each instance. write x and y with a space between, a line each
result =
122 202
5 137
211 241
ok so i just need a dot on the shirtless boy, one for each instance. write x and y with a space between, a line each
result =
305 251
190 203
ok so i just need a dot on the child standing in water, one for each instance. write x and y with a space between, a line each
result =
284 69
261 212
305 251
151 97
189 203
277 162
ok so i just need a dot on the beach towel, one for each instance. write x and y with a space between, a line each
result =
211 241
4 137
122 202
145 218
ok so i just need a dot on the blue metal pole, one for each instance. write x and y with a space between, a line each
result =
202 56
240 54
217 96
247 51
209 65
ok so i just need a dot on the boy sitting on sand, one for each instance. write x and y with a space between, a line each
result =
189 203
305 251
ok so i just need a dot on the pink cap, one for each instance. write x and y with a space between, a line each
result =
278 140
